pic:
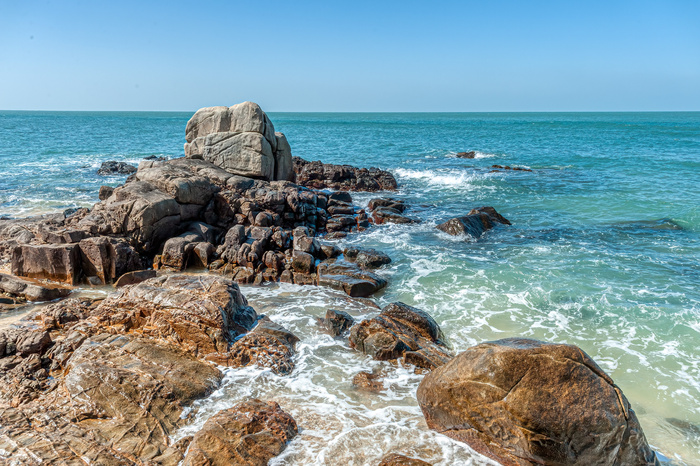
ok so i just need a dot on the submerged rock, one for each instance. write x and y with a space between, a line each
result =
525 402
368 381
394 459
466 155
402 331
474 224
249 434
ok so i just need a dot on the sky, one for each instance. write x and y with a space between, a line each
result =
359 56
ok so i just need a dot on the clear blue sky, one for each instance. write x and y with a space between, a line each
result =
350 56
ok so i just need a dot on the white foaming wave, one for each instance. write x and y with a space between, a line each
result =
444 177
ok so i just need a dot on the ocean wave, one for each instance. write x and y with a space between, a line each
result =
439 177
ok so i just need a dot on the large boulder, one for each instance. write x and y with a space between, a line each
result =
104 259
30 291
318 175
474 224
402 331
240 139
249 434
525 402
203 314
58 262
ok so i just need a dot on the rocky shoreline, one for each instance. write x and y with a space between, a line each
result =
109 381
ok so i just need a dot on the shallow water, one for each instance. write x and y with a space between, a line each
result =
603 253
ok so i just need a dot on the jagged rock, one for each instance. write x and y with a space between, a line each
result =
474 224
108 258
320 175
30 291
116 168
525 402
58 262
394 459
402 331
349 278
366 258
105 192
249 434
23 341
390 202
336 322
267 345
203 314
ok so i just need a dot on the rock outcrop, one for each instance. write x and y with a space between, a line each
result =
525 402
474 224
240 139
402 331
249 434
116 168
25 290
388 210
319 175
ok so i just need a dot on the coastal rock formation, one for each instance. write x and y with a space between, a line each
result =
388 210
249 434
336 322
525 402
402 331
366 258
394 459
319 175
240 139
466 155
26 290
115 168
474 224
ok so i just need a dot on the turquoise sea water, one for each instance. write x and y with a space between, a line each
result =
604 252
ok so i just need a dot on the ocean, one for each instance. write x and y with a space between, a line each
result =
603 253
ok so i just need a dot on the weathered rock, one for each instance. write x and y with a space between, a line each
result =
267 345
108 258
466 155
283 159
23 341
249 434
366 258
368 381
394 459
383 215
181 183
349 278
390 202
203 314
402 331
105 192
133 391
58 262
116 168
525 402
132 278
303 262
319 175
474 224
336 322
30 291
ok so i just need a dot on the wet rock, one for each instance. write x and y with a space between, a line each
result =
368 381
389 202
336 322
132 278
318 175
394 459
303 262
366 258
203 314
23 341
506 167
466 155
383 215
57 262
474 224
526 402
115 168
30 291
267 345
249 434
349 278
402 331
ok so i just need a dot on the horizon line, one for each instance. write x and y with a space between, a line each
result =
365 111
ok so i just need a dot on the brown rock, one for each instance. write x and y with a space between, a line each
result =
466 155
525 402
108 258
29 290
349 278
249 434
303 262
58 262
402 331
394 459
132 278
336 322
368 381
